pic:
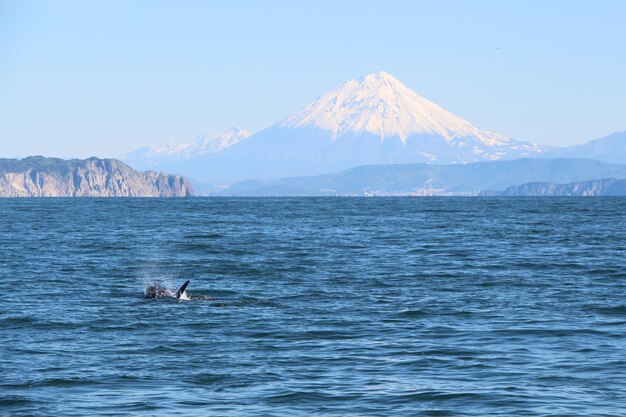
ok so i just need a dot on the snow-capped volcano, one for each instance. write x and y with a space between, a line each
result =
375 120
155 155
379 104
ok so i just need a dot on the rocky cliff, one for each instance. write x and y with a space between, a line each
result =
606 187
37 176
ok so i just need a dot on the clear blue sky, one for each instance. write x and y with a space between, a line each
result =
82 78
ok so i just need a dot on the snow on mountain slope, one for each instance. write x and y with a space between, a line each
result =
154 155
381 105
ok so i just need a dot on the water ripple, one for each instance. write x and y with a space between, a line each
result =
314 306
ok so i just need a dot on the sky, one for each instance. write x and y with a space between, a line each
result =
101 78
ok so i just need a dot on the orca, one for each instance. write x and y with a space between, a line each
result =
156 291
181 290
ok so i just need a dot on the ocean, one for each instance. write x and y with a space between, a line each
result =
313 307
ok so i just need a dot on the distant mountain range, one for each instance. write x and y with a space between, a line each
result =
376 120
373 136
37 176
608 149
432 179
368 123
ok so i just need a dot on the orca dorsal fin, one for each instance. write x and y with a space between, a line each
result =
181 290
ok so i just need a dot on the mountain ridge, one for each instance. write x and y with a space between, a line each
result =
425 179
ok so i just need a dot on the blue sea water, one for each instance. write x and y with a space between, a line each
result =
314 306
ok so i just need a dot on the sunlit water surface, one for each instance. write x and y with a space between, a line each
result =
320 306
